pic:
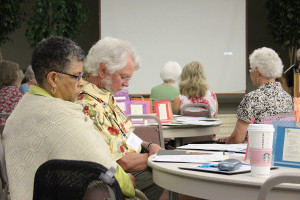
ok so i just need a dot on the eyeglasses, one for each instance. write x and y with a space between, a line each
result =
72 75
123 78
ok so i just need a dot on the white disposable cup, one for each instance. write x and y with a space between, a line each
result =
260 147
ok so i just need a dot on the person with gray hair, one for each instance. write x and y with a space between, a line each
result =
48 125
268 100
110 64
108 56
289 73
29 80
167 90
10 81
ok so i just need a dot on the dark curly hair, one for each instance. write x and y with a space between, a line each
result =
54 54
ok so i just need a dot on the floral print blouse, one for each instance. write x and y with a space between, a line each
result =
209 99
268 100
108 118
9 98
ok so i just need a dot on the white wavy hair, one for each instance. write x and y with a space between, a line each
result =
113 52
267 61
170 72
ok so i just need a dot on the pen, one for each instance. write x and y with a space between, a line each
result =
208 165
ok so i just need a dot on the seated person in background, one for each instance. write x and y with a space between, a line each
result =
111 63
194 89
268 100
29 80
20 78
47 125
9 84
167 90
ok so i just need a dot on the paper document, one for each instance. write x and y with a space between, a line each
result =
187 119
204 123
241 148
291 150
197 120
190 158
242 169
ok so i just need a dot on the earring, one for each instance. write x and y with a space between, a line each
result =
53 90
256 80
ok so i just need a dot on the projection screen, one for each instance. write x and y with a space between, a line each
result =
212 32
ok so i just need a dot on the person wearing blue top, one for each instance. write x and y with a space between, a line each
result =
29 80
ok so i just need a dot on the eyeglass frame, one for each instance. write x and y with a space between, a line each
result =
72 75
123 78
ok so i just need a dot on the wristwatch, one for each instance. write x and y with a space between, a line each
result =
147 146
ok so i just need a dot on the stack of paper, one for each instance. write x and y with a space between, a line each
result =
188 158
197 120
240 148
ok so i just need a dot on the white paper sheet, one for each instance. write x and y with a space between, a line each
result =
291 148
217 147
162 109
190 158
188 119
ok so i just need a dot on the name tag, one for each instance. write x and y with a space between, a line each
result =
134 141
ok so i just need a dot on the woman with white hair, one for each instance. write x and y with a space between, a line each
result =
268 100
167 90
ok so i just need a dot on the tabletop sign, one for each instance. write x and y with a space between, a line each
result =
163 110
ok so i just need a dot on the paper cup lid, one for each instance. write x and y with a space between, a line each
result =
261 127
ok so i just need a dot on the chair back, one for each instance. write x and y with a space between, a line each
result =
205 113
286 177
76 180
153 133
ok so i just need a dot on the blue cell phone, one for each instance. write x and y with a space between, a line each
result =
230 164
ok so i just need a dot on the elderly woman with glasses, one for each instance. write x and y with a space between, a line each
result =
47 125
268 100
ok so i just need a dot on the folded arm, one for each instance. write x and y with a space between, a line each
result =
134 162
138 161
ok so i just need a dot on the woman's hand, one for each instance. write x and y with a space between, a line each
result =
222 140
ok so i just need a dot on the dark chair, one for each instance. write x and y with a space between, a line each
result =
75 180
153 133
